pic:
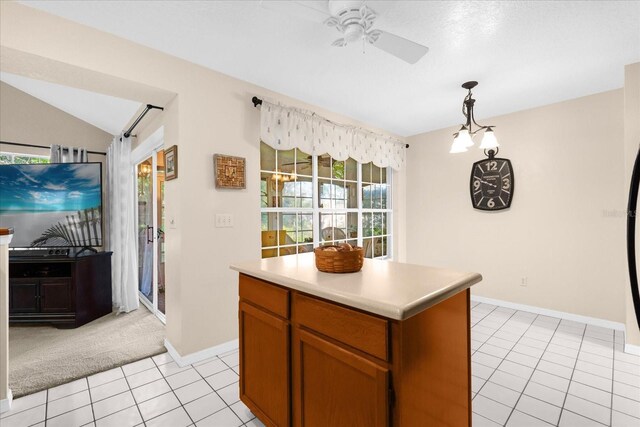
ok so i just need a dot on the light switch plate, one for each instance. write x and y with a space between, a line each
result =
224 220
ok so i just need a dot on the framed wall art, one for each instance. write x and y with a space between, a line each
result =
230 171
171 163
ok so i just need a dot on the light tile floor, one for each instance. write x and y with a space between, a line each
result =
534 370
528 370
151 392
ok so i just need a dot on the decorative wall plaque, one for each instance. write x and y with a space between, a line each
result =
229 171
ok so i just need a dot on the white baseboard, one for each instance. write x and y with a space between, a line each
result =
198 356
628 348
5 404
632 349
553 313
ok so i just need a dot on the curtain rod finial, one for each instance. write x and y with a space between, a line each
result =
256 101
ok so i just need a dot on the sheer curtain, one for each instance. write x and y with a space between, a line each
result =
61 154
122 230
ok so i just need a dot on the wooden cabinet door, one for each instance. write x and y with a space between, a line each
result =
55 296
334 387
264 365
23 296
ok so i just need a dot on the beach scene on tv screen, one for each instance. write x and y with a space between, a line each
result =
52 205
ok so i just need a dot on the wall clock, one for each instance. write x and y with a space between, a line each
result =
491 183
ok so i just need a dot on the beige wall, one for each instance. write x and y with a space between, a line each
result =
211 113
632 144
28 120
559 233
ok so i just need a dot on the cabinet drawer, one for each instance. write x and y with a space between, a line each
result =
265 295
362 331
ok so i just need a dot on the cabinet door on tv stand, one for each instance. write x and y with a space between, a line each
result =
55 295
23 296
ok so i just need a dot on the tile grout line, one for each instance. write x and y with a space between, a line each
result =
144 422
571 378
46 408
484 317
93 413
532 372
496 368
65 412
527 366
567 393
164 378
174 392
216 392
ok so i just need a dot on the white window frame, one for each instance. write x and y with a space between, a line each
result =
12 155
315 210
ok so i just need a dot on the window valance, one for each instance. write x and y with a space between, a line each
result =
285 128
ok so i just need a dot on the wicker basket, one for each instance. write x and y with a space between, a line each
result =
339 262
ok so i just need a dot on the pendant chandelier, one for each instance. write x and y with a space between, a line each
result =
463 139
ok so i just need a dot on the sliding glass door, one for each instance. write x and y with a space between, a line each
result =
145 230
160 224
150 228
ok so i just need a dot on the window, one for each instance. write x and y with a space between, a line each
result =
17 158
375 217
310 200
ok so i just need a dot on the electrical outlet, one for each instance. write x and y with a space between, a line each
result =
224 220
524 281
173 224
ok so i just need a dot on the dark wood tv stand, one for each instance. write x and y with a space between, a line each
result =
64 291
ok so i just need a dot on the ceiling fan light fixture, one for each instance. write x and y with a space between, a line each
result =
353 33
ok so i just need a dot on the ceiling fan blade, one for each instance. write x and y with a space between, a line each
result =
315 11
306 162
400 47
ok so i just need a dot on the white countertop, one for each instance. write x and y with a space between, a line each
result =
389 289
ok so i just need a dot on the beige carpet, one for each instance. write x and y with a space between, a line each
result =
41 357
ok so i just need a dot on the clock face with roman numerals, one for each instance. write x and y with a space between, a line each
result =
492 184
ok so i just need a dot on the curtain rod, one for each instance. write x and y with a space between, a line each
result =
257 101
149 107
48 148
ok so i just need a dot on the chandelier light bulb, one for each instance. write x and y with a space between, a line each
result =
463 138
489 140
457 146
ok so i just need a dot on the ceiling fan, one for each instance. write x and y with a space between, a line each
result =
354 20
324 160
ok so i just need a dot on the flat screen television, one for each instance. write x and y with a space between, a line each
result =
56 205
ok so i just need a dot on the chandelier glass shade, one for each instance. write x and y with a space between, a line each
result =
463 139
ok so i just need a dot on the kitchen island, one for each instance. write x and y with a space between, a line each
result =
387 346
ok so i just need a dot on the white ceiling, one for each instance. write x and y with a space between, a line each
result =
524 53
105 112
